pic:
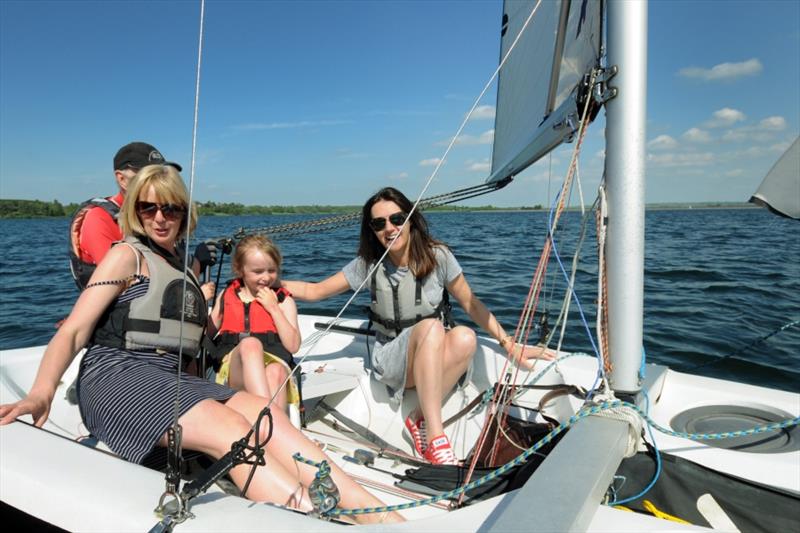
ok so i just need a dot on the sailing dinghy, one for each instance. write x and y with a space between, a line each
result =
554 79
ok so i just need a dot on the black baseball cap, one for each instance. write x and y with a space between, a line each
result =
138 155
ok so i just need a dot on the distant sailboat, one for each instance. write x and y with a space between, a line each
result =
780 190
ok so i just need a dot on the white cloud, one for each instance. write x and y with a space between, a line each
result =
480 166
681 160
772 124
397 177
780 147
734 172
763 131
487 137
724 71
432 162
724 117
696 135
662 142
483 112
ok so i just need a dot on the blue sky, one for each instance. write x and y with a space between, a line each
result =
324 102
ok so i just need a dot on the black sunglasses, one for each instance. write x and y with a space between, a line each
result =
397 219
170 211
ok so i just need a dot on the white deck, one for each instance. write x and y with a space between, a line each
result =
46 473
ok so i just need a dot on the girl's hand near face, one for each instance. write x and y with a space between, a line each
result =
268 299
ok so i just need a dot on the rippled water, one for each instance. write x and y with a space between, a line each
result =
715 280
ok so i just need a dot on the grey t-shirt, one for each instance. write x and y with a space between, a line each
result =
447 269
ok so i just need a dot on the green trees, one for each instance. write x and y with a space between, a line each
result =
35 209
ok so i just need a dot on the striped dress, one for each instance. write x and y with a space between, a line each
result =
127 398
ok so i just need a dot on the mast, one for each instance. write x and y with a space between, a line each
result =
625 178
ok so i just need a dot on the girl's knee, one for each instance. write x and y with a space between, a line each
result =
251 347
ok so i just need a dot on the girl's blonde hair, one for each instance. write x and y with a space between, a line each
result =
169 188
258 242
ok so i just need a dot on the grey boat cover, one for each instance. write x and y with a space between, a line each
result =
780 190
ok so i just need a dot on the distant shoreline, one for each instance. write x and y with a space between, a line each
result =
54 209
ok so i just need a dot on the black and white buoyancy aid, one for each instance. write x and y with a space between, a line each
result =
153 321
396 307
81 270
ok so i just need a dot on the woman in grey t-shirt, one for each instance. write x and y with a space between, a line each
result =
414 348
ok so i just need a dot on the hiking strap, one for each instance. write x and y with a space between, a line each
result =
384 448
555 392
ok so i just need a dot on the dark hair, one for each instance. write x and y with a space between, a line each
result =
422 260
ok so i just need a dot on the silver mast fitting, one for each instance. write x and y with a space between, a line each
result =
625 178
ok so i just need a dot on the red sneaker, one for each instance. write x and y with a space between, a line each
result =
440 452
418 434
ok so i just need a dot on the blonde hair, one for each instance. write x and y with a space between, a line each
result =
258 242
169 188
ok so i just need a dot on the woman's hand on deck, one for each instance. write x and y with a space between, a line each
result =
525 356
38 406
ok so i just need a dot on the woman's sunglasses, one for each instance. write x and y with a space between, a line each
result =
397 219
170 211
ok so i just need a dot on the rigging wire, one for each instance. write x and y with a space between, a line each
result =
174 433
417 203
524 324
784 327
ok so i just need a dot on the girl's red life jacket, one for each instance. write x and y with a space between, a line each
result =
241 320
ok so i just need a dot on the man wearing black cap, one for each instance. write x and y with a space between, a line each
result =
94 226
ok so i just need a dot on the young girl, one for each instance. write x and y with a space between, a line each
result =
256 323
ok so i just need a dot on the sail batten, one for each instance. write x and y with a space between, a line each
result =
780 190
537 107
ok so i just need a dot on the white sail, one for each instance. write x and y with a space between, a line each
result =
780 190
536 104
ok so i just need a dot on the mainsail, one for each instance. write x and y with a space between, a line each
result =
780 190
537 91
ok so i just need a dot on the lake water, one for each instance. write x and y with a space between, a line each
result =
716 280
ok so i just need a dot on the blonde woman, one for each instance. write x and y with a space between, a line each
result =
130 316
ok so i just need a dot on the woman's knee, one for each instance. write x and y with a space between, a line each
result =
463 341
228 425
430 332
276 372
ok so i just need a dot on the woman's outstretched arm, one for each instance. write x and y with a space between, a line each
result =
118 264
309 291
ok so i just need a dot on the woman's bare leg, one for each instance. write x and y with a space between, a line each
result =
276 375
247 368
436 360
211 427
288 440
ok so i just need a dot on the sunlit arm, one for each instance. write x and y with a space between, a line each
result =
308 291
74 333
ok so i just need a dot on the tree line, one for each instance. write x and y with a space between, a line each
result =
40 209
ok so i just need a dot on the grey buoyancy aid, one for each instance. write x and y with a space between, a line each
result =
81 270
153 321
396 307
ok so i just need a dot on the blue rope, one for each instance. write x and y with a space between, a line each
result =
583 413
658 463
